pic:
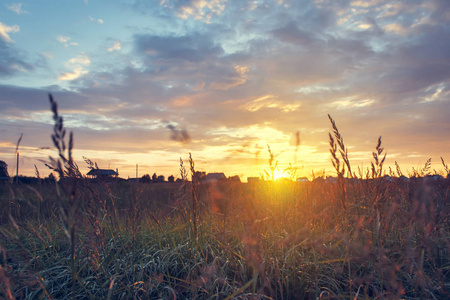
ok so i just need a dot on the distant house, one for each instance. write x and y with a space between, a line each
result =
213 177
199 175
253 179
302 179
234 178
319 180
331 179
102 173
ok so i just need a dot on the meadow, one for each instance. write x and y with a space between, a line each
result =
362 236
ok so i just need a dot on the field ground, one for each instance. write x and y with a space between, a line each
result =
358 239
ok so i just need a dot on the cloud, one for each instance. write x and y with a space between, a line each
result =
5 29
76 73
64 40
116 46
179 135
395 28
290 33
81 59
230 80
269 101
99 21
15 100
17 8
192 48
48 55
12 60
351 103
361 3
201 9
77 64
299 54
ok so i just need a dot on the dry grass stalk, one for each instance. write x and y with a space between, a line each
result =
342 149
272 166
5 283
399 171
194 191
377 167
183 171
426 168
65 166
447 170
342 194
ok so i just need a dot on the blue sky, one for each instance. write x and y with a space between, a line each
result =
236 75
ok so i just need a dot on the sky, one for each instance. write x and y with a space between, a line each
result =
145 83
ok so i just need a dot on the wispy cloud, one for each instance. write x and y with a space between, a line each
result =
269 101
116 46
351 103
65 41
76 73
17 8
396 28
99 21
5 29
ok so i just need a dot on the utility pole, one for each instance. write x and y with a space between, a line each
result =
137 178
17 168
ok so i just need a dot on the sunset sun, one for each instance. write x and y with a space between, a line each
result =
278 174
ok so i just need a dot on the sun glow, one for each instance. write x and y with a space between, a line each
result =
278 174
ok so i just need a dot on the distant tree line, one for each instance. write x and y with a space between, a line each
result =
4 176
155 178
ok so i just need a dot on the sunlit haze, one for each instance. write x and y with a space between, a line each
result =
148 82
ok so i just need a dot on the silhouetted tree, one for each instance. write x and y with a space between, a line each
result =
28 179
199 175
154 177
51 178
160 178
146 179
3 169
171 178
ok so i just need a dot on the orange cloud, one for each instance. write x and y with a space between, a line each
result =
182 101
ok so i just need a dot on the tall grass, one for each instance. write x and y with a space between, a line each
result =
362 237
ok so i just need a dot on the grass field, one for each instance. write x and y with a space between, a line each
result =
361 237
